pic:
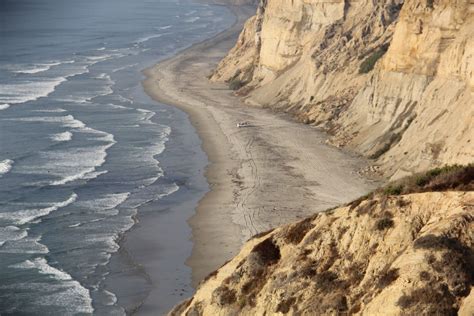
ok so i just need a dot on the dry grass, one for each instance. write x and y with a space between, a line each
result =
223 296
432 300
448 178
384 224
297 232
388 278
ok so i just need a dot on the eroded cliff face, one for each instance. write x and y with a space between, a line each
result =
413 111
396 255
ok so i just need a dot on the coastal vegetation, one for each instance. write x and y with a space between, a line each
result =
353 259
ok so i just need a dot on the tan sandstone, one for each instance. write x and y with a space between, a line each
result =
414 111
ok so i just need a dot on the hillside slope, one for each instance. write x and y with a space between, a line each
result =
393 80
407 249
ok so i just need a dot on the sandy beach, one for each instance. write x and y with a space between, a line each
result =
273 172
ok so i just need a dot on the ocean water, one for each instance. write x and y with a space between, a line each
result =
80 143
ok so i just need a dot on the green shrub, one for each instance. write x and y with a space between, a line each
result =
393 190
384 223
369 63
451 177
388 277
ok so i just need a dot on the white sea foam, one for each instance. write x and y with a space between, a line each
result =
93 175
71 295
4 106
73 164
78 70
107 240
170 190
67 292
75 225
50 111
62 137
105 204
34 69
103 76
164 27
11 233
111 298
149 37
147 115
28 91
101 89
119 107
44 268
22 217
124 99
25 245
124 67
100 58
99 135
92 60
5 166
192 20
148 181
66 121
190 13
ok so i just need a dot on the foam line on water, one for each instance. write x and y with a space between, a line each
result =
111 298
16 93
124 67
105 202
22 217
190 13
149 37
67 292
43 267
11 233
192 20
26 245
170 190
66 121
101 89
35 68
164 27
62 137
73 163
50 110
5 166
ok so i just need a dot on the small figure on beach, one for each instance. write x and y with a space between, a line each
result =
243 124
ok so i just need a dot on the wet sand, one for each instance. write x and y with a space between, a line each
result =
268 174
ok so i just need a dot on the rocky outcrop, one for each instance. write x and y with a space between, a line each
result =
393 80
403 250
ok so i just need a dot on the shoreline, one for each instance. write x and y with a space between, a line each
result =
260 177
218 163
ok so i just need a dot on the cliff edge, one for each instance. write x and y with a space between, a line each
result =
406 249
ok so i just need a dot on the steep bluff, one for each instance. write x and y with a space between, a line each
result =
407 249
393 80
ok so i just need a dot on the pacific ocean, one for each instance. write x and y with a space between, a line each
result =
83 151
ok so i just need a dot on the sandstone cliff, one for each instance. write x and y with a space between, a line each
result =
391 79
407 249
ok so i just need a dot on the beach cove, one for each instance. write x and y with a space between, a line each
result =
273 172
